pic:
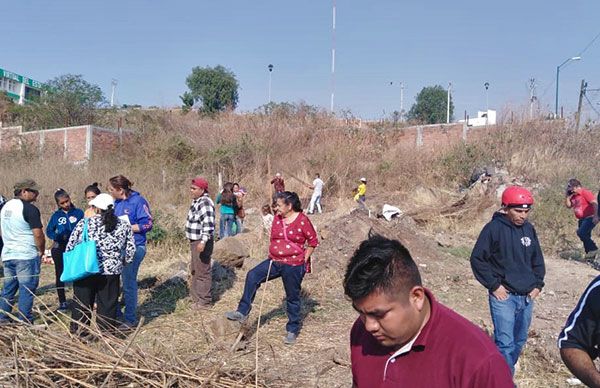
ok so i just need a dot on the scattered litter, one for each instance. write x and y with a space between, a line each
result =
388 212
574 381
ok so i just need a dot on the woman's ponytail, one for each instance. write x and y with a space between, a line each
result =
109 219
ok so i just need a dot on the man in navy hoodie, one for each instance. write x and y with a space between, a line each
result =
508 261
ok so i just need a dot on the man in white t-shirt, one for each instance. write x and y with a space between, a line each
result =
317 187
24 247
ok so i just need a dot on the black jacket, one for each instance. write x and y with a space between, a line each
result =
509 255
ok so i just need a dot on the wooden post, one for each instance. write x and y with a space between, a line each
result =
581 94
269 186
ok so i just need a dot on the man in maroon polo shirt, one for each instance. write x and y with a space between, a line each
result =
403 336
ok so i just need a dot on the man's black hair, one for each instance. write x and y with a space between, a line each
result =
380 264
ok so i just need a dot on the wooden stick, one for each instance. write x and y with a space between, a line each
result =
16 361
137 330
296 178
258 323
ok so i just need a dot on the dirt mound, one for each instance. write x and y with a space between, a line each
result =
341 237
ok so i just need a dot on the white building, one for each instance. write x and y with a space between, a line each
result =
483 118
19 88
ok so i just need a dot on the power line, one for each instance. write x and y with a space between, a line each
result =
591 105
589 44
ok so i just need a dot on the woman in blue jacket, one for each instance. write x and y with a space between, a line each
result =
133 208
59 230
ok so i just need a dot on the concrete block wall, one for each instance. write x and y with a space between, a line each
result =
75 144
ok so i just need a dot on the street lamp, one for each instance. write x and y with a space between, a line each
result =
557 74
270 67
487 100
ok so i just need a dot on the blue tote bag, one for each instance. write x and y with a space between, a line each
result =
82 260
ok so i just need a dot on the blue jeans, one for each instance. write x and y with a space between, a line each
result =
130 286
225 225
21 275
361 203
584 232
315 200
511 318
239 226
291 275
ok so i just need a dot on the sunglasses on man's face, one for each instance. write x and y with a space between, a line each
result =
33 191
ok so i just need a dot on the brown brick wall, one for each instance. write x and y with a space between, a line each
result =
52 141
76 144
104 142
9 138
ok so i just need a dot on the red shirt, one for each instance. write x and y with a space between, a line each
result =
449 352
278 184
581 204
299 232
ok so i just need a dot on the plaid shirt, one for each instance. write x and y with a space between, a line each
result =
200 223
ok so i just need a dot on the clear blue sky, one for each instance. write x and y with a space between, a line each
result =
150 46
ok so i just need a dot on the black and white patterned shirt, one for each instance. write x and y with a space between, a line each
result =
109 246
200 223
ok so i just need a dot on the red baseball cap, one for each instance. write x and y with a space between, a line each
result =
200 182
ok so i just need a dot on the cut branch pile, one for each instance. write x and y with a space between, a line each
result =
40 356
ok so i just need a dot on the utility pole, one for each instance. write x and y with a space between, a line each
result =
532 97
113 84
332 58
448 104
581 94
401 101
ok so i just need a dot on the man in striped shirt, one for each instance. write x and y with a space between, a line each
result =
579 340
199 229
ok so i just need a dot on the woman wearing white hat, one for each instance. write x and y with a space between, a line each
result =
115 246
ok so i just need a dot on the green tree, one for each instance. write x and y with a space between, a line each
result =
431 105
188 101
68 100
216 88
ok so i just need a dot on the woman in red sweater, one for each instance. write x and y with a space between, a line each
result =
293 240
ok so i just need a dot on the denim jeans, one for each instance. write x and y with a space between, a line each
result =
511 318
21 275
239 225
130 286
225 225
361 203
291 275
315 200
584 232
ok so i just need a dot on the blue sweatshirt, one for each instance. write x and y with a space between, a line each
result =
62 223
137 210
509 255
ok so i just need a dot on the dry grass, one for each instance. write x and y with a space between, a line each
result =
48 355
169 148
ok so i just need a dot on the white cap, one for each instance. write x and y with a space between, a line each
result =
103 201
278 174
363 179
